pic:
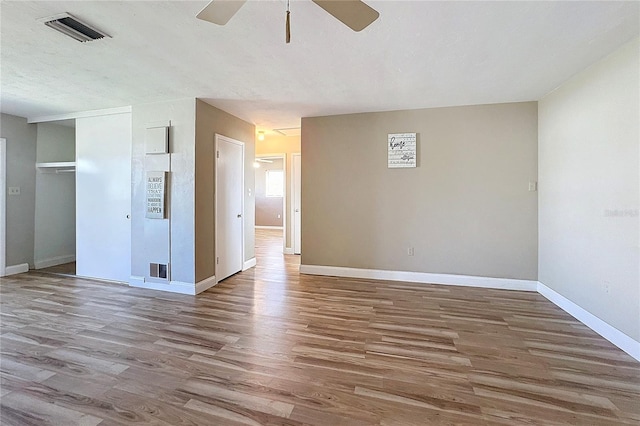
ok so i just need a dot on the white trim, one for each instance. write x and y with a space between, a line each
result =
173 286
269 227
16 269
612 334
53 261
288 250
249 264
293 199
3 205
422 277
82 114
205 284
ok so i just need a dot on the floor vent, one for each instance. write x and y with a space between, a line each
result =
71 26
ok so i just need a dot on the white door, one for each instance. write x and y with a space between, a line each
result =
297 209
103 197
229 218
3 203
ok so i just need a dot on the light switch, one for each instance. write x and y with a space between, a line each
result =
14 190
533 186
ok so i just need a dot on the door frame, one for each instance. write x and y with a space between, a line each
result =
3 206
293 189
218 138
282 156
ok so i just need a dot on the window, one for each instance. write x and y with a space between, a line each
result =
275 183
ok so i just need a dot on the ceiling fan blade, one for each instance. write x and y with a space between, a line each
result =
355 14
220 11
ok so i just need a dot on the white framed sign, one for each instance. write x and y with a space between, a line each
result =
155 199
402 150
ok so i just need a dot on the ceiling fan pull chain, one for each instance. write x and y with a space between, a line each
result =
288 25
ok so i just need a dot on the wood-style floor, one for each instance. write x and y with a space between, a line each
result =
65 269
269 346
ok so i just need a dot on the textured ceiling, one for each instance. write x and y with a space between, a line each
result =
417 54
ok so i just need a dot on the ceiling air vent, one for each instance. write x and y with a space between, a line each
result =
73 27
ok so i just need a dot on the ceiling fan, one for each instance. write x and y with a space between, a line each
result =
355 14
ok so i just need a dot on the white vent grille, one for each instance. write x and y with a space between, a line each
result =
71 26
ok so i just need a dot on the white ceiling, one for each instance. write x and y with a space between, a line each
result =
417 54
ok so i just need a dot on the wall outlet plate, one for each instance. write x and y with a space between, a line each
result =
14 190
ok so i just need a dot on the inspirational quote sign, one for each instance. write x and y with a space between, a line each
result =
155 186
401 150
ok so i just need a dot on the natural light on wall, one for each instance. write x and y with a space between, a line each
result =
275 183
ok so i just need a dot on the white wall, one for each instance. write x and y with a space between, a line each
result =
590 191
168 240
103 197
55 214
21 172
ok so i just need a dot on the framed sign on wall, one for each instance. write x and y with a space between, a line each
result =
402 150
155 195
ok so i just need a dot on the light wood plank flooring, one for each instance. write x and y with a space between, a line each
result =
65 269
269 346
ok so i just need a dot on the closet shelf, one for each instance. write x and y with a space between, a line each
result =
57 167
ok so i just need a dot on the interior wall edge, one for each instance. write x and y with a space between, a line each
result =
612 334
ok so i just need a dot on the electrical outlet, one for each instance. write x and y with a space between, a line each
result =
14 190
533 186
607 287
410 251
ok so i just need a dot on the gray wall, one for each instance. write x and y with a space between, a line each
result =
21 172
268 209
466 208
150 237
589 190
209 121
55 208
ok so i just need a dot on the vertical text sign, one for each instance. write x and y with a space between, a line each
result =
402 150
155 183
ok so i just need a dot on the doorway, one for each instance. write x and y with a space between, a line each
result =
54 247
229 207
271 196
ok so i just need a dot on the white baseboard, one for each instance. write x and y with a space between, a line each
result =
16 269
288 250
53 261
422 277
249 264
173 286
612 334
268 227
205 284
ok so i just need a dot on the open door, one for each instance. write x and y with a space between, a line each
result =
229 208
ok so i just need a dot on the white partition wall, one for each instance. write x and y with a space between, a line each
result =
103 197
